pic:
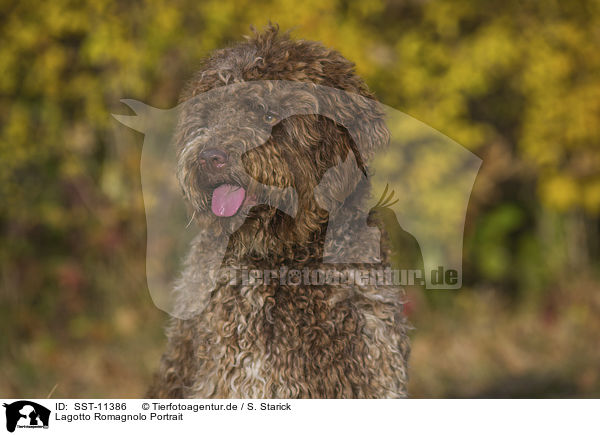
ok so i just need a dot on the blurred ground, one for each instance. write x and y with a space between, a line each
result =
479 345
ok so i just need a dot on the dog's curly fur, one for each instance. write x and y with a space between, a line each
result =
274 340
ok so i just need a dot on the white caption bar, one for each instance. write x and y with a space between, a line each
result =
68 416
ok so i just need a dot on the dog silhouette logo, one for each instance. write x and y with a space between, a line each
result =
26 414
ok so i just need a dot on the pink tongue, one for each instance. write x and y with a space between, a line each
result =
227 200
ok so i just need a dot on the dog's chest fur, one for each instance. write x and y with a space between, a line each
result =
286 341
276 340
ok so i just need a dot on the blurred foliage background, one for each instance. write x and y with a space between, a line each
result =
516 82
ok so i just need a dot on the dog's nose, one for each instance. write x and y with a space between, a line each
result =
213 158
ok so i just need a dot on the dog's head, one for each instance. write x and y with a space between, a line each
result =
243 126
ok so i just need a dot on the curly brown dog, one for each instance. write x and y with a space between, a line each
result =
274 339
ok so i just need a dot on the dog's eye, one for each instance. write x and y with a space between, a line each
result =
269 118
199 131
194 133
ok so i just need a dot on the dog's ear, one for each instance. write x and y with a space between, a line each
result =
361 129
362 117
